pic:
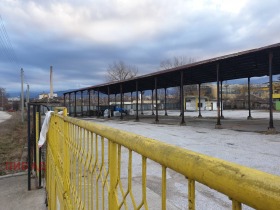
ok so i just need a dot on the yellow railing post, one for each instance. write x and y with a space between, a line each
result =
191 190
113 170
66 162
236 205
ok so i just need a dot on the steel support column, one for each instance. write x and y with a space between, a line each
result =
137 116
98 103
109 107
271 127
142 93
40 149
82 103
131 100
121 92
88 102
34 136
249 100
64 100
156 99
75 104
182 99
218 125
153 102
165 102
222 105
69 100
199 102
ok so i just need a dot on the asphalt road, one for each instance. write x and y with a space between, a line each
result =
4 116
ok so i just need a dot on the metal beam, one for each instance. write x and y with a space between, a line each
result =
75 104
153 102
182 98
218 124
142 93
98 103
137 116
82 103
199 101
109 108
156 99
121 106
69 104
88 102
165 102
271 127
249 100
222 116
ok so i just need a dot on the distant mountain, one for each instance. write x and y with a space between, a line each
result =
34 94
254 80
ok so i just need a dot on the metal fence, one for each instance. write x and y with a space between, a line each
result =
35 161
90 166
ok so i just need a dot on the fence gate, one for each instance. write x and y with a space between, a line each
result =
35 163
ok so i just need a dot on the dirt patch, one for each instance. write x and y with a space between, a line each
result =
13 136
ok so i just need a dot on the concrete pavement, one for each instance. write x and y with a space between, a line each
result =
14 194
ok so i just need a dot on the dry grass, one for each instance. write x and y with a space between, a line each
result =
13 136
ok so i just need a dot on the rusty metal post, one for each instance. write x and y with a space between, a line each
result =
218 125
98 102
249 100
109 107
82 103
75 104
88 102
64 99
153 102
222 105
142 93
156 99
199 101
121 106
40 149
182 99
34 136
131 100
29 147
271 127
165 106
69 104
137 116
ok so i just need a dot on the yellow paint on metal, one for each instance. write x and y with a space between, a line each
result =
78 169
191 190
236 205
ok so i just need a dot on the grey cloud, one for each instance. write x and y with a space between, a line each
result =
80 59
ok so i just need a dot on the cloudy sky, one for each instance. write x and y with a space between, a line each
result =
81 38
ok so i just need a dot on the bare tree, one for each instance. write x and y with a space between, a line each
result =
119 71
175 62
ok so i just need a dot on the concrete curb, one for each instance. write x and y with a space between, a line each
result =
13 175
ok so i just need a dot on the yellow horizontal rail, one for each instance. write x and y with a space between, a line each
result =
241 184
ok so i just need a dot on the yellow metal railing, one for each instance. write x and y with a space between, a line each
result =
90 166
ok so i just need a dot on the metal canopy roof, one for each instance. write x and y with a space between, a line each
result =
250 63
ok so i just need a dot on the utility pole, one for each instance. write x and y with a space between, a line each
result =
22 97
51 83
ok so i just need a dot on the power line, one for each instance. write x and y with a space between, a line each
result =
7 44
